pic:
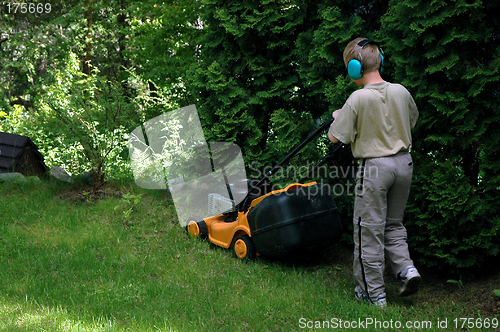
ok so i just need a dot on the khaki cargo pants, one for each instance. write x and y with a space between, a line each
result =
382 189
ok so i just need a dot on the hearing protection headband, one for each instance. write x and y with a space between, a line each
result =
355 68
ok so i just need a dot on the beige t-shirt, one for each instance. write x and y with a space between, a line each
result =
377 120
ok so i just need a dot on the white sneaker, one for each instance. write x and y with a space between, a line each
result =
410 280
379 301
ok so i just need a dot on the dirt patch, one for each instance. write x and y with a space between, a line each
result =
477 295
87 195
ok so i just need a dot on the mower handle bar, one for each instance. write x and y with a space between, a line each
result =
292 153
323 161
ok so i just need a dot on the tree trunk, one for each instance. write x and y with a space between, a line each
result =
87 68
470 164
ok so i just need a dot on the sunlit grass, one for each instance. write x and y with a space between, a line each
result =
32 317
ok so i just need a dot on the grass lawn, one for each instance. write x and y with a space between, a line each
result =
68 264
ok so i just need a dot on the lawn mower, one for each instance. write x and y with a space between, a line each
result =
276 223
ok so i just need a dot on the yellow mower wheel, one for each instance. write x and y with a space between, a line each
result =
243 247
197 228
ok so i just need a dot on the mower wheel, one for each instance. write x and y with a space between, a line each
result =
197 227
243 247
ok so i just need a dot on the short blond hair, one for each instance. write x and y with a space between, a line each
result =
368 55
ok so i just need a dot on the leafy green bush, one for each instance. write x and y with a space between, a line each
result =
88 117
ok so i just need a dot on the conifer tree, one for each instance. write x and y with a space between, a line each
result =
448 55
271 71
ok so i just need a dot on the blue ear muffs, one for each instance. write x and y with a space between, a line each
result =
355 68
381 70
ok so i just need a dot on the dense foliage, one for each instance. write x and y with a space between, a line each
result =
79 78
448 55
263 74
